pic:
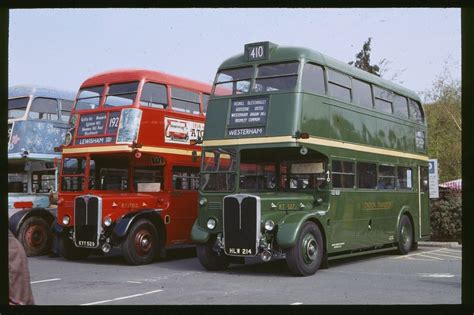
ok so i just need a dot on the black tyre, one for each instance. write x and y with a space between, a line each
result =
210 259
141 244
405 235
305 257
69 251
36 237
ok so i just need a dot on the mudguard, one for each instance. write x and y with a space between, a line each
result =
290 225
123 224
414 218
17 219
198 235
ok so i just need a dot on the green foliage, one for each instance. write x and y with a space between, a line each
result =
445 217
443 116
363 59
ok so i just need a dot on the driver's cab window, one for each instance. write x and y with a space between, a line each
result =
303 175
108 173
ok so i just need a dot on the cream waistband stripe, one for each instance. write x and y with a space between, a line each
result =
317 141
126 148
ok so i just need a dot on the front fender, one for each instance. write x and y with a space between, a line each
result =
289 227
122 226
17 219
198 235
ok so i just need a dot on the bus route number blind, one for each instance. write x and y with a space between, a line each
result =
256 51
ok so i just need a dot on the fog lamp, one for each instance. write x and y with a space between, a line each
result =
211 223
108 221
202 201
269 225
66 220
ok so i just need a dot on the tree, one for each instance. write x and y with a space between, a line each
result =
443 116
363 59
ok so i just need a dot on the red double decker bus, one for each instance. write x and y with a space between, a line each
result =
130 170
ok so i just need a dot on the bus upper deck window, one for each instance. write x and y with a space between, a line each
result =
185 101
89 98
233 81
400 105
415 111
66 107
154 95
276 77
44 108
17 107
121 94
383 100
313 79
205 102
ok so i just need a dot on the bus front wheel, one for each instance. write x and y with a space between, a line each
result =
36 237
141 244
69 251
305 257
210 259
405 235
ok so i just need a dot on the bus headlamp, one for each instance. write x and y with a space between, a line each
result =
211 224
66 220
202 201
108 221
269 225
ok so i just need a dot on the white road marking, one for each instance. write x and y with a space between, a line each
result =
123 297
436 275
134 282
415 254
433 257
446 255
296 303
47 280
453 250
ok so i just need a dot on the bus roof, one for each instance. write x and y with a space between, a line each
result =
123 75
286 53
43 91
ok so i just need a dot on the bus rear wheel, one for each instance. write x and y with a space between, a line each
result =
405 235
210 259
69 251
141 244
36 237
305 257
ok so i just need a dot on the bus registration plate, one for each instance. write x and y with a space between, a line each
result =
240 251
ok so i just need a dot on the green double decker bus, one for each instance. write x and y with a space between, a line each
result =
309 159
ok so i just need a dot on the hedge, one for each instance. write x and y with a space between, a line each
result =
446 216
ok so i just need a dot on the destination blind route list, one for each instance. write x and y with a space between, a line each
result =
248 112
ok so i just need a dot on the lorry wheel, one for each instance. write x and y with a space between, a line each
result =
210 259
69 251
305 257
141 244
405 235
36 237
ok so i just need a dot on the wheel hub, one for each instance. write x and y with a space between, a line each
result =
405 235
143 242
34 236
310 248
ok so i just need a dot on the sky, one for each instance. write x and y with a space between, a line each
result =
63 47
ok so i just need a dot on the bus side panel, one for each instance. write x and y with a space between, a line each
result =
342 232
